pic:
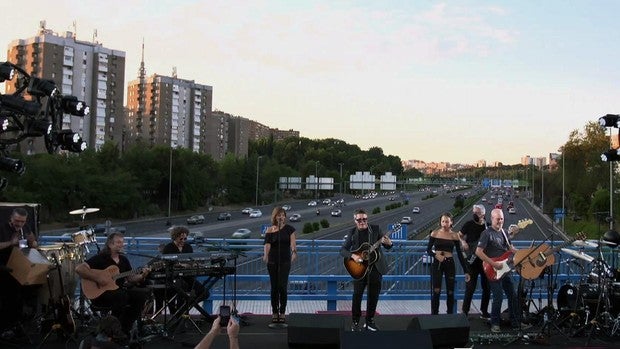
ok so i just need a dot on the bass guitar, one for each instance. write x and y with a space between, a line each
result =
92 290
369 254
534 260
505 259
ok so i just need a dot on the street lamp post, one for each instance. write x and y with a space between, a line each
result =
340 164
257 171
168 222
316 178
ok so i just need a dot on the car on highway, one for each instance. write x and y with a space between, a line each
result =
196 219
295 217
256 213
241 233
406 220
336 213
198 236
312 203
286 207
224 216
416 209
512 210
327 201
247 210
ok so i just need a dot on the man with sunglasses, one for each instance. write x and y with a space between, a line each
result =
369 234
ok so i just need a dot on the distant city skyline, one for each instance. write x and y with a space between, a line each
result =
457 81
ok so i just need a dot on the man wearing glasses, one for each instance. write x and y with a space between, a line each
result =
356 243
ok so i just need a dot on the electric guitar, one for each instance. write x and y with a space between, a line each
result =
534 260
369 254
92 290
470 254
506 259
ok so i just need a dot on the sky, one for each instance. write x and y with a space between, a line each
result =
454 81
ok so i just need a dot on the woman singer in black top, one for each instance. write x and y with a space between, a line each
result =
280 249
441 245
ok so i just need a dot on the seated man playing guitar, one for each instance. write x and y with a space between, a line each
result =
108 281
494 243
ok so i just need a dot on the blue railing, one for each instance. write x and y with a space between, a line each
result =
319 273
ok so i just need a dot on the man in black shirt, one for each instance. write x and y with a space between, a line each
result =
470 234
13 234
365 233
125 300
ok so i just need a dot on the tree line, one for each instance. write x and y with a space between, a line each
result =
136 183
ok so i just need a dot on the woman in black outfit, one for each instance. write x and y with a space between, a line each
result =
280 249
441 246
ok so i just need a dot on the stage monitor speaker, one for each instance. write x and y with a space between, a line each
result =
314 330
385 339
28 266
447 330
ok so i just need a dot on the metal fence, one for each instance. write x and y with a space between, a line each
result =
319 273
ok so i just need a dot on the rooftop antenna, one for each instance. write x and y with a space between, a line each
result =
74 29
174 72
95 36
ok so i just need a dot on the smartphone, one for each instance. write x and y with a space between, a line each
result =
224 315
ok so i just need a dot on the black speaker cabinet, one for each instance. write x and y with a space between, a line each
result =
314 330
447 330
386 339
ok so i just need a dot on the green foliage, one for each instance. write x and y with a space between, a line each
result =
324 223
308 228
316 226
376 210
459 202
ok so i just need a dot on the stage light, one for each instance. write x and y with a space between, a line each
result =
12 165
71 105
611 155
42 87
6 72
19 105
4 124
39 127
71 141
609 120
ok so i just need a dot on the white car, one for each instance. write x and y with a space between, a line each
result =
295 217
286 207
242 233
336 213
247 210
406 220
415 210
256 213
512 210
312 203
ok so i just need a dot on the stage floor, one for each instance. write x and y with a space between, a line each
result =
256 334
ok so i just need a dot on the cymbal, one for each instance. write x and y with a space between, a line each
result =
604 242
84 210
579 255
585 243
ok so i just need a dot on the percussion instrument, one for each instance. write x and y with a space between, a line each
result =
64 257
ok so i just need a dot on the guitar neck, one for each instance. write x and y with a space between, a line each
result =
127 273
556 249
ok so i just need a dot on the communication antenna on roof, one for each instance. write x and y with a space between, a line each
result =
42 25
74 29
95 36
174 72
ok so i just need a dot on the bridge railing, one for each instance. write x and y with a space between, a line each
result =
319 272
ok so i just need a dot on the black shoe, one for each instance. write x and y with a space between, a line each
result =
370 325
355 326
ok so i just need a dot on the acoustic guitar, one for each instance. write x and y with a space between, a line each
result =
92 290
506 259
534 260
369 254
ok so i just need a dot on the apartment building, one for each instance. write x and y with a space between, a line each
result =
86 70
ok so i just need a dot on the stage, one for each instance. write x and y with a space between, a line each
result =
256 334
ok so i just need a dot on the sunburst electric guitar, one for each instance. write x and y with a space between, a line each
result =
369 254
506 259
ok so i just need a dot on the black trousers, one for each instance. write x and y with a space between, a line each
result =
278 276
439 269
126 304
476 269
373 281
11 302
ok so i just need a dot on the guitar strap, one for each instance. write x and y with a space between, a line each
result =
506 237
370 241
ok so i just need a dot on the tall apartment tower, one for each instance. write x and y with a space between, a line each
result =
86 70
171 111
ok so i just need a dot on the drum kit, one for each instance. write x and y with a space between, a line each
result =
53 267
594 303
